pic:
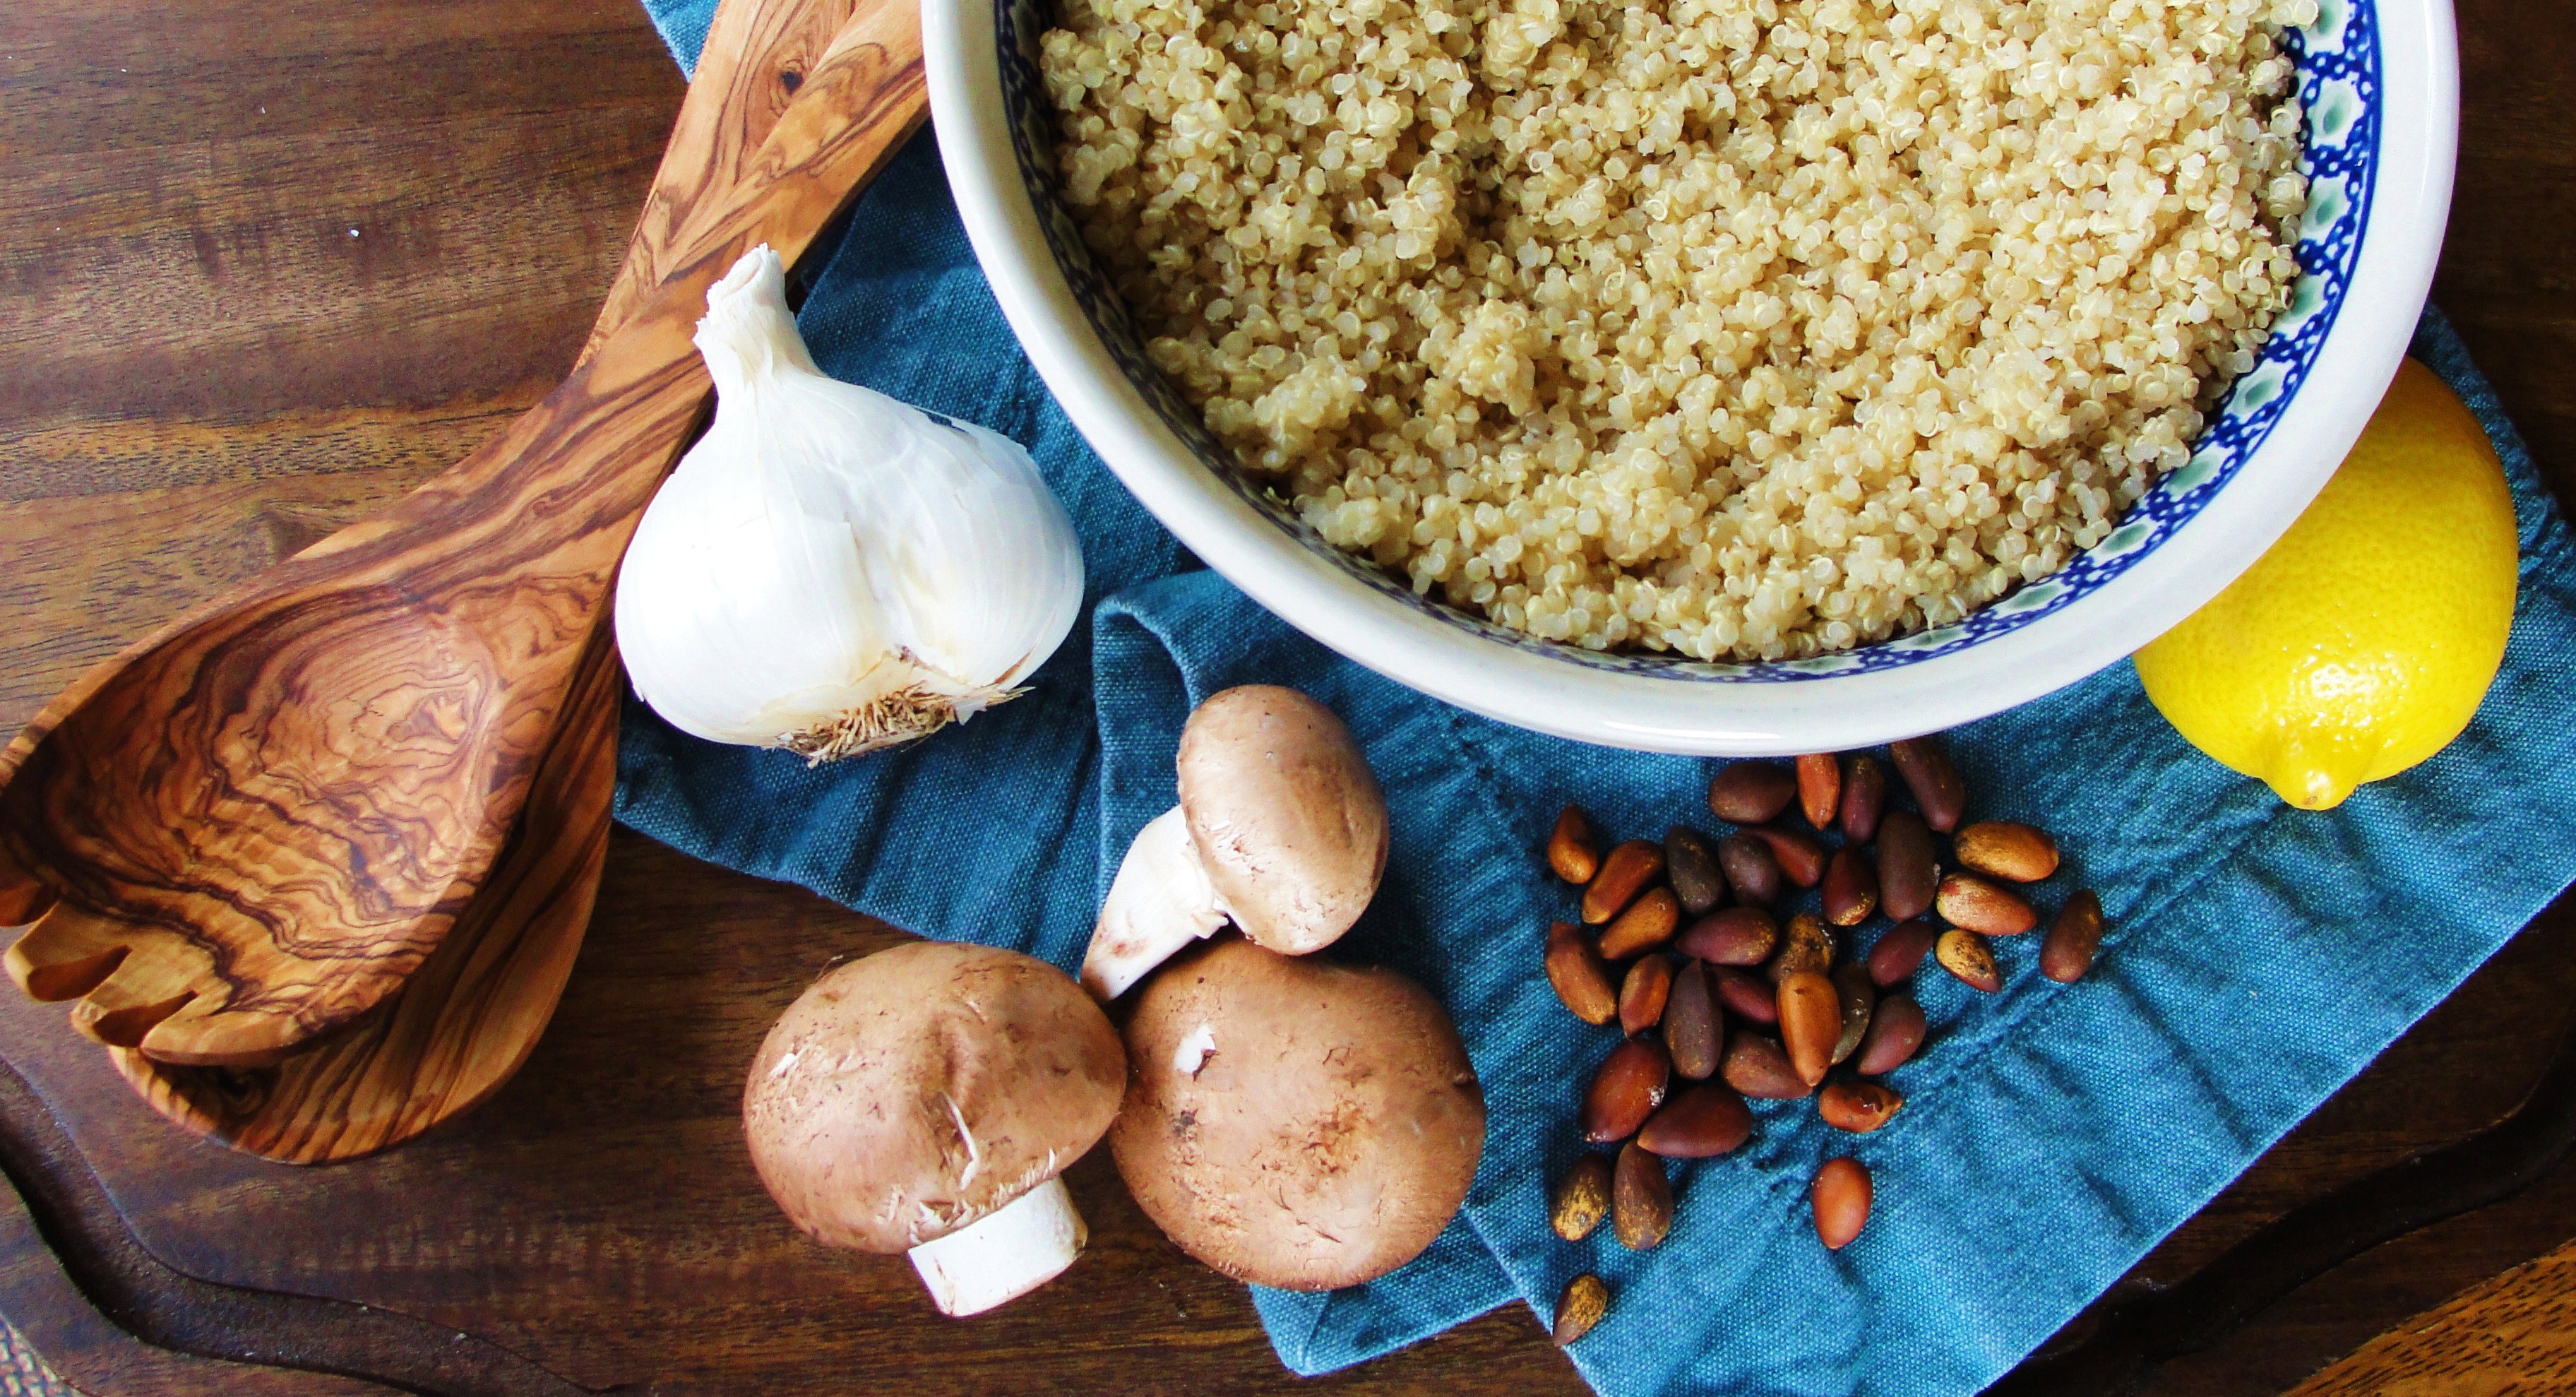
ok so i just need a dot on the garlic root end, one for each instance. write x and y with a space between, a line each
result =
890 720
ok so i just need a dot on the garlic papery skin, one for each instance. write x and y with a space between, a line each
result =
830 570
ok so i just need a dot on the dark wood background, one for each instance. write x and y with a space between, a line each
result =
264 264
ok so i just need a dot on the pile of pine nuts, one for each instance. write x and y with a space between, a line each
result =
1722 972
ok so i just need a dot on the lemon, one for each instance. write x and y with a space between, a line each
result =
2361 644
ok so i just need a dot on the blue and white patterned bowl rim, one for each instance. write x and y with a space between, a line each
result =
2339 85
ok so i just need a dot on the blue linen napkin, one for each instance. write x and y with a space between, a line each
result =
2258 958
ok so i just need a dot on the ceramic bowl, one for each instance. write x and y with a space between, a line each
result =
2379 81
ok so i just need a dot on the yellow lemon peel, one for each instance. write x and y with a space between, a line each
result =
2362 642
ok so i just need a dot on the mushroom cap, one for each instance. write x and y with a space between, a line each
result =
905 1095
1288 819
1295 1123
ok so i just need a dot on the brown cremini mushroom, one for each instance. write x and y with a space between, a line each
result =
1294 1123
923 1100
1281 830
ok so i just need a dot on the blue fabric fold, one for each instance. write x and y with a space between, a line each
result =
2258 956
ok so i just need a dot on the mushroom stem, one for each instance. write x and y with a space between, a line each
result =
1160 901
1005 1254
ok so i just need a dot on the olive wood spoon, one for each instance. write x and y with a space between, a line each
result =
248 830
472 1012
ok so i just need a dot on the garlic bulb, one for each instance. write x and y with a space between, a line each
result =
830 570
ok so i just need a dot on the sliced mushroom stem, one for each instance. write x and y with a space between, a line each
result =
1005 1254
1160 901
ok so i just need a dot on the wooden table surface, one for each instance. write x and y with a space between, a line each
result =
267 263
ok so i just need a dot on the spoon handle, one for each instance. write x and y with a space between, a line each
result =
560 491
757 56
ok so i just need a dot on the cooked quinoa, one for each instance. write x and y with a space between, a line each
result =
1733 328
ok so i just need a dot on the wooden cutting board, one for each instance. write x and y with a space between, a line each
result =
205 371
2516 1333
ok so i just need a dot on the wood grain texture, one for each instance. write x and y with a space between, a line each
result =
2515 1334
597 1214
470 1014
168 1317
97 1356
759 56
248 830
187 300
2142 1328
